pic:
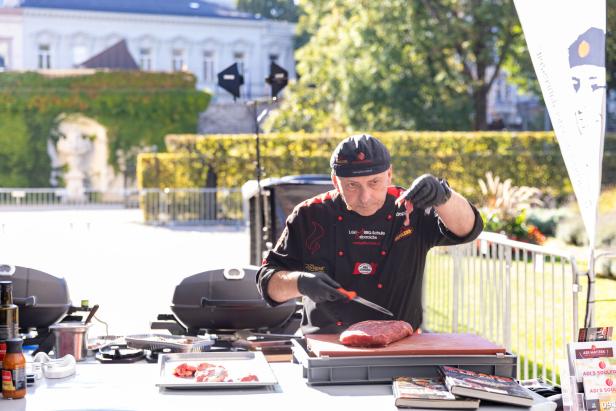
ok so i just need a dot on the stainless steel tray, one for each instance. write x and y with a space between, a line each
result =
238 364
176 343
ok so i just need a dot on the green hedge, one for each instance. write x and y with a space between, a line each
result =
528 158
138 109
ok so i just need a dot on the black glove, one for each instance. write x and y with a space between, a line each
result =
319 287
428 191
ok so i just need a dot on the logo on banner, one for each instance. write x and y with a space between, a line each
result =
364 268
587 69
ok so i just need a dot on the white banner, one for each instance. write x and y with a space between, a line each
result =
566 41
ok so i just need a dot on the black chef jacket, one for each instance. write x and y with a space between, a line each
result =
377 256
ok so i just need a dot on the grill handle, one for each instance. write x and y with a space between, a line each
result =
208 302
29 301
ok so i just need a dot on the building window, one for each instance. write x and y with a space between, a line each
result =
208 66
145 59
44 56
177 59
238 57
80 54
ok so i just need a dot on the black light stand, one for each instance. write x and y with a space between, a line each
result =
231 80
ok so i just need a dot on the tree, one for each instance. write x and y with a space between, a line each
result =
360 70
271 9
469 41
400 64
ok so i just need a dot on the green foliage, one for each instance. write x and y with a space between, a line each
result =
271 9
397 64
533 159
19 156
138 109
546 219
503 208
515 227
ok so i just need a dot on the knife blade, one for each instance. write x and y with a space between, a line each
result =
352 295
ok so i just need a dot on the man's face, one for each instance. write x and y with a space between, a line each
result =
365 195
588 82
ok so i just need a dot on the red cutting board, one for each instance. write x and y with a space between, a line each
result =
418 344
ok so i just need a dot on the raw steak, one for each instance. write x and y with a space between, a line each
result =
375 333
184 371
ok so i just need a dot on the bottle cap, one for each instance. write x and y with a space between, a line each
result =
13 345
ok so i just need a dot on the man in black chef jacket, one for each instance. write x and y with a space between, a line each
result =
367 236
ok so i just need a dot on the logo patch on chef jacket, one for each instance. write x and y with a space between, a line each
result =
404 232
313 268
364 269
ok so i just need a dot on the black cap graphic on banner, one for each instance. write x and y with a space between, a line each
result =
230 79
278 78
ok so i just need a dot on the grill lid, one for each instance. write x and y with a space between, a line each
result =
226 299
42 298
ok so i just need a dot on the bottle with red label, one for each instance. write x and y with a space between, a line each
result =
2 352
14 370
8 317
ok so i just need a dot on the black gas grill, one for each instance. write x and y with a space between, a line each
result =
227 299
42 298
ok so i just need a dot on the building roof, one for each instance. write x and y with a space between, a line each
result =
116 57
194 8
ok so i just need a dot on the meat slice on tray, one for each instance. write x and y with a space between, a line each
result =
374 333
249 378
204 365
184 371
216 373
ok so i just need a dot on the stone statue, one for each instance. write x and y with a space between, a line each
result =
81 157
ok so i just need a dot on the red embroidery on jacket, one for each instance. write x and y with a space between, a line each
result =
394 191
312 242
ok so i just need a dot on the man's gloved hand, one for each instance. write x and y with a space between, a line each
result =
319 287
428 191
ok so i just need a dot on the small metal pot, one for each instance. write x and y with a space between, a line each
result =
70 338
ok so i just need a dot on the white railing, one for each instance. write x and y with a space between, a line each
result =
60 197
159 206
522 296
192 206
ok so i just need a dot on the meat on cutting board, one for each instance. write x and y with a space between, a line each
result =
374 333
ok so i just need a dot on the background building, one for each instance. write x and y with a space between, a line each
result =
202 37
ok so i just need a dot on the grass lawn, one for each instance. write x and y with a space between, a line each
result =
535 299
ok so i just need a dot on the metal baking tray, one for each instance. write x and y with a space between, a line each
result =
238 364
176 343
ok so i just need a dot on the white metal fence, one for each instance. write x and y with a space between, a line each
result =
159 206
520 295
192 206
60 197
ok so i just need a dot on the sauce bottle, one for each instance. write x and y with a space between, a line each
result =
14 370
9 314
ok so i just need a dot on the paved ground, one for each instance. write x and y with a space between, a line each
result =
110 258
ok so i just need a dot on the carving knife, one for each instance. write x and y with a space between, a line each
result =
352 295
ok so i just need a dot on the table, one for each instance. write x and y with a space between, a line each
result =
131 387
